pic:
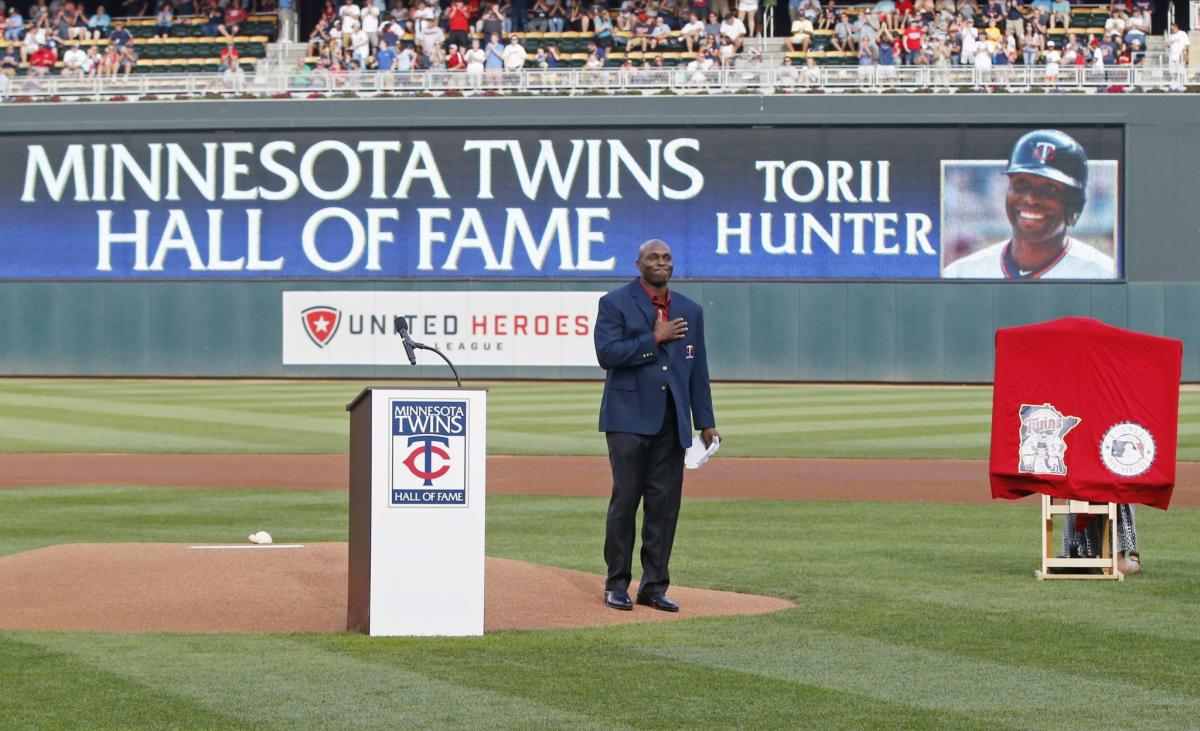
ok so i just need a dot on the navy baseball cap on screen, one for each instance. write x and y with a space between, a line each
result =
1051 154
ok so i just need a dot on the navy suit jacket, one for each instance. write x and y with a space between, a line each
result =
640 374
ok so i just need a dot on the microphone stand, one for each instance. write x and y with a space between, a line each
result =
422 346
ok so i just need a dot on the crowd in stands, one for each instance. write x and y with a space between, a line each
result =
60 34
481 36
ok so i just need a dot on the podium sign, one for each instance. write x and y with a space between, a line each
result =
417 479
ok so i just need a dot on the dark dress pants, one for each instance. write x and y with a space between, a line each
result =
646 469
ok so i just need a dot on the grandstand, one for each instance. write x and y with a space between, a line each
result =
1090 53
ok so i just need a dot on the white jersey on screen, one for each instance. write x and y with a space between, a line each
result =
1077 261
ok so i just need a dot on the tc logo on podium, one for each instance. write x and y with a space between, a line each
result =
428 453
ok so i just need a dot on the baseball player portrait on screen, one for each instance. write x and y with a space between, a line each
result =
1044 200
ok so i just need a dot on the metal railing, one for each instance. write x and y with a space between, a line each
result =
677 80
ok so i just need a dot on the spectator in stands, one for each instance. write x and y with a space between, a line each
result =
406 59
184 8
1031 47
319 37
558 16
1014 18
360 45
539 17
712 28
660 37
492 21
119 36
9 62
515 54
692 33
747 15
641 29
597 56
701 66
475 59
827 20
42 60
866 29
843 34
99 23
214 20
1139 19
432 40
905 11
886 50
1135 35
913 41
231 57
458 21
553 56
968 9
1116 23
234 17
733 29
385 57
164 21
110 61
455 60
574 17
493 65
1060 14
91 64
602 26
868 52
73 61
882 14
802 32
368 21
810 9
128 60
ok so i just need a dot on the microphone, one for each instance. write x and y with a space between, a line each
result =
401 325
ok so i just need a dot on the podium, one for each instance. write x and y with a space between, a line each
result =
417 495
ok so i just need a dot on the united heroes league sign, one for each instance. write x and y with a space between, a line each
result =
471 328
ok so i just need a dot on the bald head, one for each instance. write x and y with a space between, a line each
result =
655 263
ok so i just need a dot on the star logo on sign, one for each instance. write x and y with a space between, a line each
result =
321 324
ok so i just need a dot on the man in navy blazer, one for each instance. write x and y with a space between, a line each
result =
651 343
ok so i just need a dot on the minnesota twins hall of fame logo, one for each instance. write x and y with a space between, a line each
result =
428 453
1043 445
1127 449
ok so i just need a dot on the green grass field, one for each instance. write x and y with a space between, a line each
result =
908 616
291 417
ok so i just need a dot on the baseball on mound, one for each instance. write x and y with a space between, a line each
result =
262 537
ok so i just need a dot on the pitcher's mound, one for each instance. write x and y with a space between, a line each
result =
167 587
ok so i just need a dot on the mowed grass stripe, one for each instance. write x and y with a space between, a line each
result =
524 418
293 684
52 688
178 412
892 671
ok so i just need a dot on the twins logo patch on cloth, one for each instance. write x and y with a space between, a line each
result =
1127 449
428 453
1043 445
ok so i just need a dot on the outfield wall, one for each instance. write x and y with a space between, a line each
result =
903 331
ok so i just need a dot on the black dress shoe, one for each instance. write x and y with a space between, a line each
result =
658 601
618 600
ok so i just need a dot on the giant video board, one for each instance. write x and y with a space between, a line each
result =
734 203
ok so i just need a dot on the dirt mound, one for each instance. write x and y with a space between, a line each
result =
167 587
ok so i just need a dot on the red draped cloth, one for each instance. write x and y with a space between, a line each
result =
1086 411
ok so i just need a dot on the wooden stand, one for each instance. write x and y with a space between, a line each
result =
1108 546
